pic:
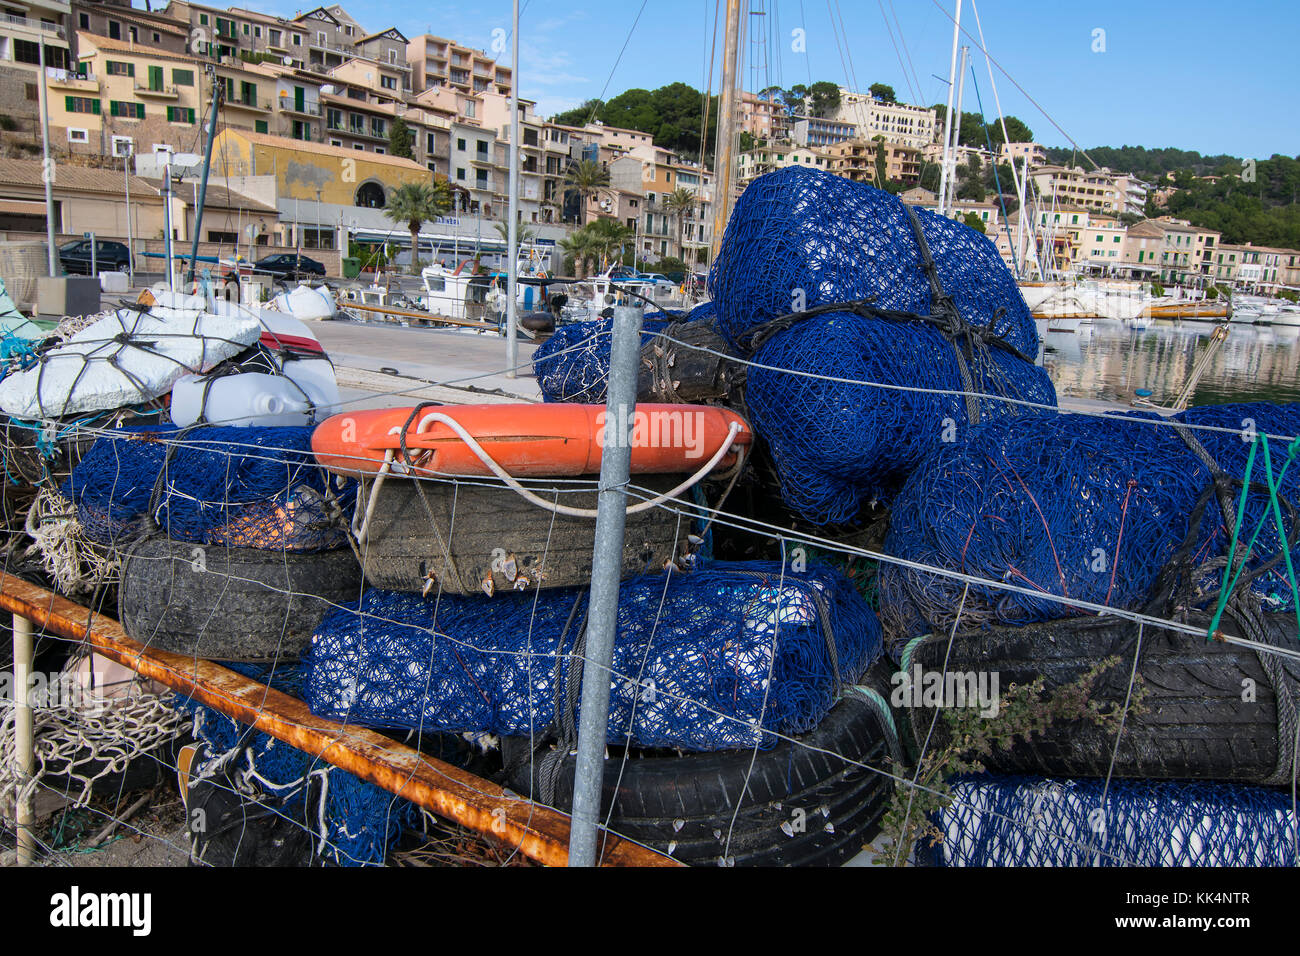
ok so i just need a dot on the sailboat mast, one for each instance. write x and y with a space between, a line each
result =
724 153
947 115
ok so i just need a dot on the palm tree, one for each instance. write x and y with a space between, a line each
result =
582 247
679 203
608 236
415 204
526 233
588 178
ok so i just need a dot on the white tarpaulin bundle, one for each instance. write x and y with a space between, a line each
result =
306 303
128 356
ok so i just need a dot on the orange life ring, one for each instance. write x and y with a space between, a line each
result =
543 440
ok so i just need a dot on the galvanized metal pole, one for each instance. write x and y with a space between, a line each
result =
167 218
512 268
606 568
130 239
47 167
24 742
203 186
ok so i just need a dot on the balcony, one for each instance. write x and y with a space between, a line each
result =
307 109
157 93
256 106
67 80
32 26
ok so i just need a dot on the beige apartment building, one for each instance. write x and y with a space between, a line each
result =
128 97
901 123
1175 249
1017 153
856 160
1072 186
1101 247
437 61
762 117
770 158
25 25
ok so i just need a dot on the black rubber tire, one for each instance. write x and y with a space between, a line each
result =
683 805
491 521
239 604
669 372
1193 723
226 829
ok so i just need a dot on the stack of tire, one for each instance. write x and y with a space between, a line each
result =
813 800
451 526
188 591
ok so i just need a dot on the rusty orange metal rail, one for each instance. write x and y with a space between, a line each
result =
540 833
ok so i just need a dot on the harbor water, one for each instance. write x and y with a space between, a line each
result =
1108 360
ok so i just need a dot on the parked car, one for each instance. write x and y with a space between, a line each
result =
75 256
287 265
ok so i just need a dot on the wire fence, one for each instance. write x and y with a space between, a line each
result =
750 654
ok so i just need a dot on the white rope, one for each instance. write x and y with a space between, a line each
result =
66 554
72 737
463 434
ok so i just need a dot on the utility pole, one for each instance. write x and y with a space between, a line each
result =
47 167
130 238
512 229
724 153
947 115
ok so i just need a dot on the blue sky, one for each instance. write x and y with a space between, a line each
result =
1213 76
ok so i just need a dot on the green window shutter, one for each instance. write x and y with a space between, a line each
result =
95 107
259 126
190 114
155 77
67 103
113 108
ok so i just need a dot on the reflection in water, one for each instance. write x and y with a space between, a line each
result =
1107 360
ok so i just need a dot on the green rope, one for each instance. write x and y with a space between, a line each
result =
1230 577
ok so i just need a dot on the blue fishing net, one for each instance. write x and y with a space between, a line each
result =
234 486
838 445
353 823
704 312
1037 821
801 240
573 364
1075 506
705 660
837 241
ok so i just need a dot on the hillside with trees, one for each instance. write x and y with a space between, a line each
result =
672 114
1264 211
1147 164
1256 201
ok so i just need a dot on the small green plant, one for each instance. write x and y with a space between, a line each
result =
968 739
1157 289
